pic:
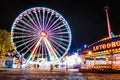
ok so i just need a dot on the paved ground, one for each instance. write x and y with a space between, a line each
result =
55 75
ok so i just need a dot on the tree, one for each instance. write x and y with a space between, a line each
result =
5 43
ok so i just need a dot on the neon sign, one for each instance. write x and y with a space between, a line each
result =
109 45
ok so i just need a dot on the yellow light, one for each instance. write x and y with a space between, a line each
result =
112 49
66 56
89 52
43 34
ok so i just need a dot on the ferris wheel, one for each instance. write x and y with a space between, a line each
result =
41 33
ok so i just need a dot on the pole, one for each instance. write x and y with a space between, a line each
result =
108 22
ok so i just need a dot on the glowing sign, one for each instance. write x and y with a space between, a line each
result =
109 45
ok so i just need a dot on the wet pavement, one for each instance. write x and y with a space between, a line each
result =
58 76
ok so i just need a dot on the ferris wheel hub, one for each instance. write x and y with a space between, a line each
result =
43 33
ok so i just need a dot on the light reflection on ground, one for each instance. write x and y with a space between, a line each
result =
59 76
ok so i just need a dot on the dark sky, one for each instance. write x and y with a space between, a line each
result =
86 18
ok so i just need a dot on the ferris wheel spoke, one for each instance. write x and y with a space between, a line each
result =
21 29
34 54
57 48
33 22
42 49
28 25
39 49
62 33
63 36
46 52
34 19
51 21
34 49
61 39
52 24
27 21
25 43
43 18
59 45
19 33
27 36
51 52
58 24
61 42
26 29
22 40
58 27
38 20
60 30
51 48
38 54
55 52
28 47
48 21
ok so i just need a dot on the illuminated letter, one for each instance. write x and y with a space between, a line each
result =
118 43
94 48
97 47
101 47
108 45
113 44
104 46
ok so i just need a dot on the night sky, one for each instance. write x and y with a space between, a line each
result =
86 18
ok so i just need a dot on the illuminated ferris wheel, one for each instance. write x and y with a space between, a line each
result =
41 33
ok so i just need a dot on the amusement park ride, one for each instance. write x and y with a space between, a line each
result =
40 35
